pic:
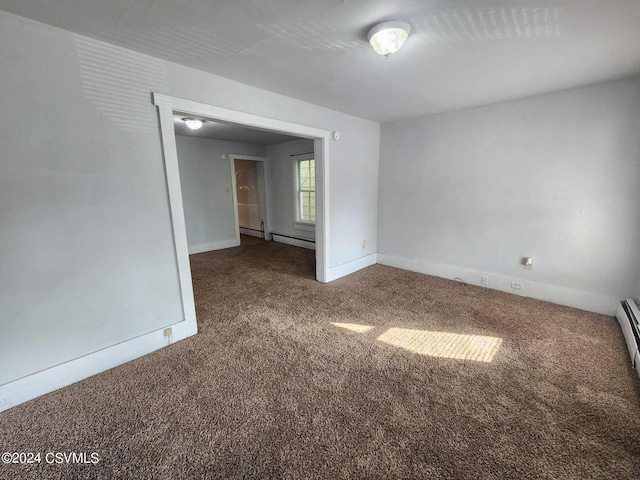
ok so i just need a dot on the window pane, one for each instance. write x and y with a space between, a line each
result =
304 174
312 175
308 207
307 187
312 206
307 174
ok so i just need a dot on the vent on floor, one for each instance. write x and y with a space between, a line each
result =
628 316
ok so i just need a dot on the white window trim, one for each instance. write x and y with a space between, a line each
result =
297 223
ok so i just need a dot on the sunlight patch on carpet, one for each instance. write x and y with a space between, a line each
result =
354 327
478 348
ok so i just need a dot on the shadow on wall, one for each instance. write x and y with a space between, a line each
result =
478 348
118 83
176 43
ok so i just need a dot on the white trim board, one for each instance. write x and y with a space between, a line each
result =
353 266
45 381
591 302
251 233
208 247
176 208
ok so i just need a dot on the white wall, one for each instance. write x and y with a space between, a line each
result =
556 177
207 190
281 175
86 250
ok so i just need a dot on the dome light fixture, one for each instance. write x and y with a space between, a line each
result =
388 37
193 123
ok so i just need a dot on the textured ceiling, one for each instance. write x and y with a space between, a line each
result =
460 53
229 131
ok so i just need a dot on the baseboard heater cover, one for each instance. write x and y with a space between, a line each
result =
302 239
628 316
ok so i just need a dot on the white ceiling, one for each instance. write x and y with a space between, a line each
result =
460 53
229 131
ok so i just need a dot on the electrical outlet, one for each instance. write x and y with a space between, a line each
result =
364 244
517 285
484 280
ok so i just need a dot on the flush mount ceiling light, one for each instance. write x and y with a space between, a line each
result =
193 123
388 37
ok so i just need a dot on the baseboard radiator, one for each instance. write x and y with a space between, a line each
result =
628 316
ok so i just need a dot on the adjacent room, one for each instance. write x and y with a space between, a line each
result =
320 239
239 182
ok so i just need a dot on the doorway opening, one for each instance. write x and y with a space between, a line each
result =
251 189
318 138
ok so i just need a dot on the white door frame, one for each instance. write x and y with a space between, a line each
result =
267 185
166 106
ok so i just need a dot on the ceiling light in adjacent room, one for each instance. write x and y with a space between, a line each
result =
388 37
193 123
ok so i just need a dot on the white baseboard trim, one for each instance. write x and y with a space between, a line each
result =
293 241
251 233
208 247
46 381
351 267
591 302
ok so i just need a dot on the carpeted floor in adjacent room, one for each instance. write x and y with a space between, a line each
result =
382 374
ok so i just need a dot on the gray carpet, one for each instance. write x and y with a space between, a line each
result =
382 374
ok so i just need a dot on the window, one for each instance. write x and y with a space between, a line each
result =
305 190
